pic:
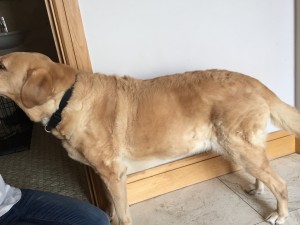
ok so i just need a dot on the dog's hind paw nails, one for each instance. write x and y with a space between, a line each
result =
253 190
275 219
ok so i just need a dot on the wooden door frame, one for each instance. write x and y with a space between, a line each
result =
71 46
67 28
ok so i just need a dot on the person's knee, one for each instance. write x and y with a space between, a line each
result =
98 217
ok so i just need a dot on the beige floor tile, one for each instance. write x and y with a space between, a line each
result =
207 203
293 219
287 167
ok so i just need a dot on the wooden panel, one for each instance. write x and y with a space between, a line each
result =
169 166
177 178
55 32
297 145
281 147
189 160
68 33
164 182
98 191
172 176
277 134
76 32
60 31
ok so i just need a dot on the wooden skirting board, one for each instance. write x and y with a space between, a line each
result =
185 172
297 145
182 173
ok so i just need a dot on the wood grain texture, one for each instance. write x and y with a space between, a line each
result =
201 168
297 145
188 161
68 33
185 172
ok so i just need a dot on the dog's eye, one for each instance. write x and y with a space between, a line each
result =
2 67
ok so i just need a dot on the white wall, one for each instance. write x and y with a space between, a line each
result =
152 38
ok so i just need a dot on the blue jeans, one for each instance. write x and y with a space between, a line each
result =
44 208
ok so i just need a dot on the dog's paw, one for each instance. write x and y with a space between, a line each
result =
252 189
275 219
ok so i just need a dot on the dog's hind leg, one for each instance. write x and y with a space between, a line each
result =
277 186
253 158
257 188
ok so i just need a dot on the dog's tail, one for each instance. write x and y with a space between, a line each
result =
283 115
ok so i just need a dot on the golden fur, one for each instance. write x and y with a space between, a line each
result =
109 119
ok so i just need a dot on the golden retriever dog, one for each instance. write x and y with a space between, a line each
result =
106 121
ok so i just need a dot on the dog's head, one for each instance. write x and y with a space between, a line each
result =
34 82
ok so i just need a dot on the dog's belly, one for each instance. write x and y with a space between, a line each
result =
137 165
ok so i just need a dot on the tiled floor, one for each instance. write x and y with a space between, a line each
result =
222 201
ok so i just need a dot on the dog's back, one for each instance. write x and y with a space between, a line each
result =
175 114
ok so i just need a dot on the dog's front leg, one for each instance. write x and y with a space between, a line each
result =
114 176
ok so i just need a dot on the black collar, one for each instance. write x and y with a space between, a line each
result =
56 117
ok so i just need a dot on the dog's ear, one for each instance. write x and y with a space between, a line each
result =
37 88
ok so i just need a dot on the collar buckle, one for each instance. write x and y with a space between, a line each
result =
47 129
